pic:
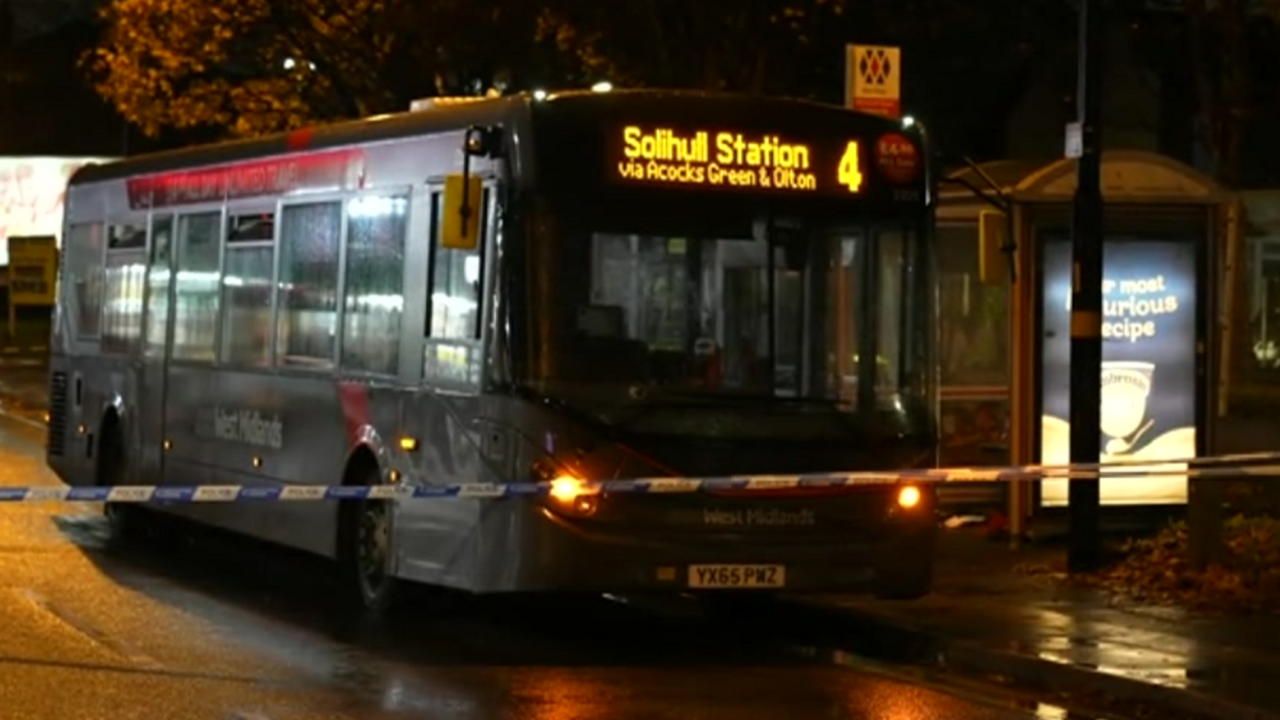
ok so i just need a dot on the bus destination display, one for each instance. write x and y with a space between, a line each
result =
735 160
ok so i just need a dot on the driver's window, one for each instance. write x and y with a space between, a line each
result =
696 312
646 279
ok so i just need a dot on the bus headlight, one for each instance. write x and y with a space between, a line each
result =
573 494
908 497
566 489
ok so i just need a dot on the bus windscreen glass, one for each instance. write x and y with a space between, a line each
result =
736 317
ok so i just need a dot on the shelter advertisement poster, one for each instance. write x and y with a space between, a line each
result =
1148 366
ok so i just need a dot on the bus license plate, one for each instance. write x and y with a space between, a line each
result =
737 576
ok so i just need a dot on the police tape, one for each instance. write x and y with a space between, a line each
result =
1227 466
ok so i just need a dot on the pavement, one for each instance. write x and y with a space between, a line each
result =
1010 614
218 628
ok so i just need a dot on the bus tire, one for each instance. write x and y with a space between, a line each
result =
125 522
364 550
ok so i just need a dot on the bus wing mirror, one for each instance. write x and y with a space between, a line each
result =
993 244
460 226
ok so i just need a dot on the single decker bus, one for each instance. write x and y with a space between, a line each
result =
560 288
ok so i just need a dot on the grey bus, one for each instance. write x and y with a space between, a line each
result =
556 288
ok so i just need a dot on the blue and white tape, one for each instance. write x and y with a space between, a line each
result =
1226 466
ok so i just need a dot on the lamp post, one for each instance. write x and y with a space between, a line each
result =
1084 549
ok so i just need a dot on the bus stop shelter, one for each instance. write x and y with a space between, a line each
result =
1004 343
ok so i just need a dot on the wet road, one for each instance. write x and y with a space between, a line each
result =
222 629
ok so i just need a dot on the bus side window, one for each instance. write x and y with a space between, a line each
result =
125 271
157 314
84 277
457 278
195 311
310 236
246 290
374 298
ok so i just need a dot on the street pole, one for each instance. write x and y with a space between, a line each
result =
1084 550
929 259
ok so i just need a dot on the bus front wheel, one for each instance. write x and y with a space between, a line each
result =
364 532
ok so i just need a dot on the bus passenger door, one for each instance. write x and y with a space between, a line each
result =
157 341
443 535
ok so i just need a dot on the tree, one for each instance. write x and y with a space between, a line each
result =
256 66
966 64
250 66
469 47
758 46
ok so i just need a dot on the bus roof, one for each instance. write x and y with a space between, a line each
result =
440 118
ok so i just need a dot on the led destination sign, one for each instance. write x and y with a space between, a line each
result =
726 159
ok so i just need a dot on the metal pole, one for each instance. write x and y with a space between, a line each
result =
929 255
1086 302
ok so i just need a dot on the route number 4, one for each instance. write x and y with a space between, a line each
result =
850 171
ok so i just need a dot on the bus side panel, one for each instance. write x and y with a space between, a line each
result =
195 458
436 539
510 555
266 430
82 393
70 453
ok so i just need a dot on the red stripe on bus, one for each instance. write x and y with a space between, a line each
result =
299 139
354 398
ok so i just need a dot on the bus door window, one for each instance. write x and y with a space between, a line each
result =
759 318
746 326
789 311
903 339
844 288
246 289
456 281
891 321
455 301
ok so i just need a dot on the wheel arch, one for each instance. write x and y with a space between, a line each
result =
111 422
362 462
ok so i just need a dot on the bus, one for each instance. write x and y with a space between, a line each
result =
559 288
